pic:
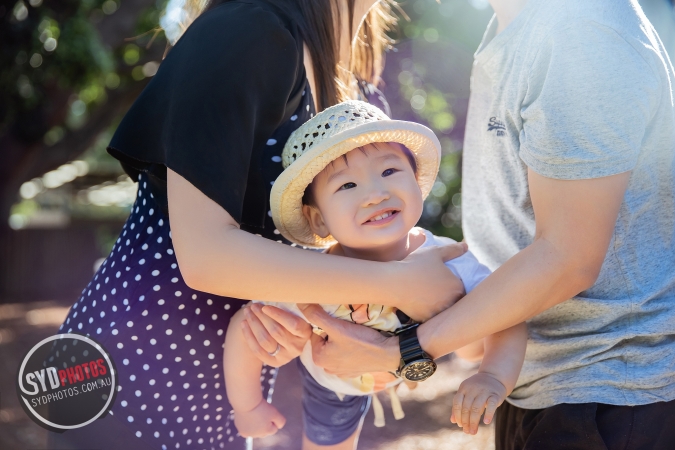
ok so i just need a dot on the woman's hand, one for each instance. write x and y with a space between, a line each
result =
265 327
348 349
432 287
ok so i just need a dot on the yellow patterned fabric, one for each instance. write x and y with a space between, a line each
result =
379 317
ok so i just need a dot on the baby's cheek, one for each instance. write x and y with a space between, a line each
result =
414 206
345 231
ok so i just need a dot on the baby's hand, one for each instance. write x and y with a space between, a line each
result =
263 420
477 393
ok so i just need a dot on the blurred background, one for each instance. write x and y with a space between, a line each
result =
69 70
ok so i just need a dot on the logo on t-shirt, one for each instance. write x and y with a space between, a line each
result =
497 125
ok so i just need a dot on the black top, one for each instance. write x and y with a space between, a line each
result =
217 101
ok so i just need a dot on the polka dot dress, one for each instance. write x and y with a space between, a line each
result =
165 338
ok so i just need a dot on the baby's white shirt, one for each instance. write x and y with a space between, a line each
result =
466 268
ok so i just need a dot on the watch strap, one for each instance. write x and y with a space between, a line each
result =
410 345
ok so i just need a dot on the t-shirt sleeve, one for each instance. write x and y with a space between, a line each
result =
589 100
216 99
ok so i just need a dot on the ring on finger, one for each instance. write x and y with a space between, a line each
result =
275 352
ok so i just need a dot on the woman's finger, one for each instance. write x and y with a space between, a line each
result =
255 347
452 251
276 331
260 333
294 324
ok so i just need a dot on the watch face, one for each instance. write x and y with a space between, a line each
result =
419 370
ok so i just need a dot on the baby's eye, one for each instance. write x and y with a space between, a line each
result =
347 186
388 172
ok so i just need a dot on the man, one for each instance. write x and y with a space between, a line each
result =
571 127
569 195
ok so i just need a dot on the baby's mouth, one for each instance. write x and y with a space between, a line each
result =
382 216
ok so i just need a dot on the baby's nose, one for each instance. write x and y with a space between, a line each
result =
375 197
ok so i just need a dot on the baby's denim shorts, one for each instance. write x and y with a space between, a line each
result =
327 419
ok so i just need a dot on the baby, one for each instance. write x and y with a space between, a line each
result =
354 184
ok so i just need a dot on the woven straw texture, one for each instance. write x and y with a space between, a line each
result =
327 136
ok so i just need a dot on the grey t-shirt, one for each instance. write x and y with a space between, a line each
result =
579 89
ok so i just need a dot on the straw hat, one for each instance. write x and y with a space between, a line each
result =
327 136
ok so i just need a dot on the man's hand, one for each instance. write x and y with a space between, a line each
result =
348 349
266 326
263 420
481 392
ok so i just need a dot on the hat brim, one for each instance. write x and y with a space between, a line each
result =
289 188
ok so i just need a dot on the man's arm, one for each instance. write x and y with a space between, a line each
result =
574 225
575 222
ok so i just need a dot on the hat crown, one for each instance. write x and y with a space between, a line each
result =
328 123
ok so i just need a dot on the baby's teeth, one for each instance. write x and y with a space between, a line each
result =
380 217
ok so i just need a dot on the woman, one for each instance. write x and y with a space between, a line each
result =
568 193
203 140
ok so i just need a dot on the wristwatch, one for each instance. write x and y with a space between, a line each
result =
415 364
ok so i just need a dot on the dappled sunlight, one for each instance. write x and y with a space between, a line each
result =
46 316
15 316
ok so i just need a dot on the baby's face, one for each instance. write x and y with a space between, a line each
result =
368 199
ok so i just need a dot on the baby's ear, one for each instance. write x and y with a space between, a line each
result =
315 219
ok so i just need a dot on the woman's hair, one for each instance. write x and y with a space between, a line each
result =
319 22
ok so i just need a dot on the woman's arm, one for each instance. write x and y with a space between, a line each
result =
575 222
215 256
